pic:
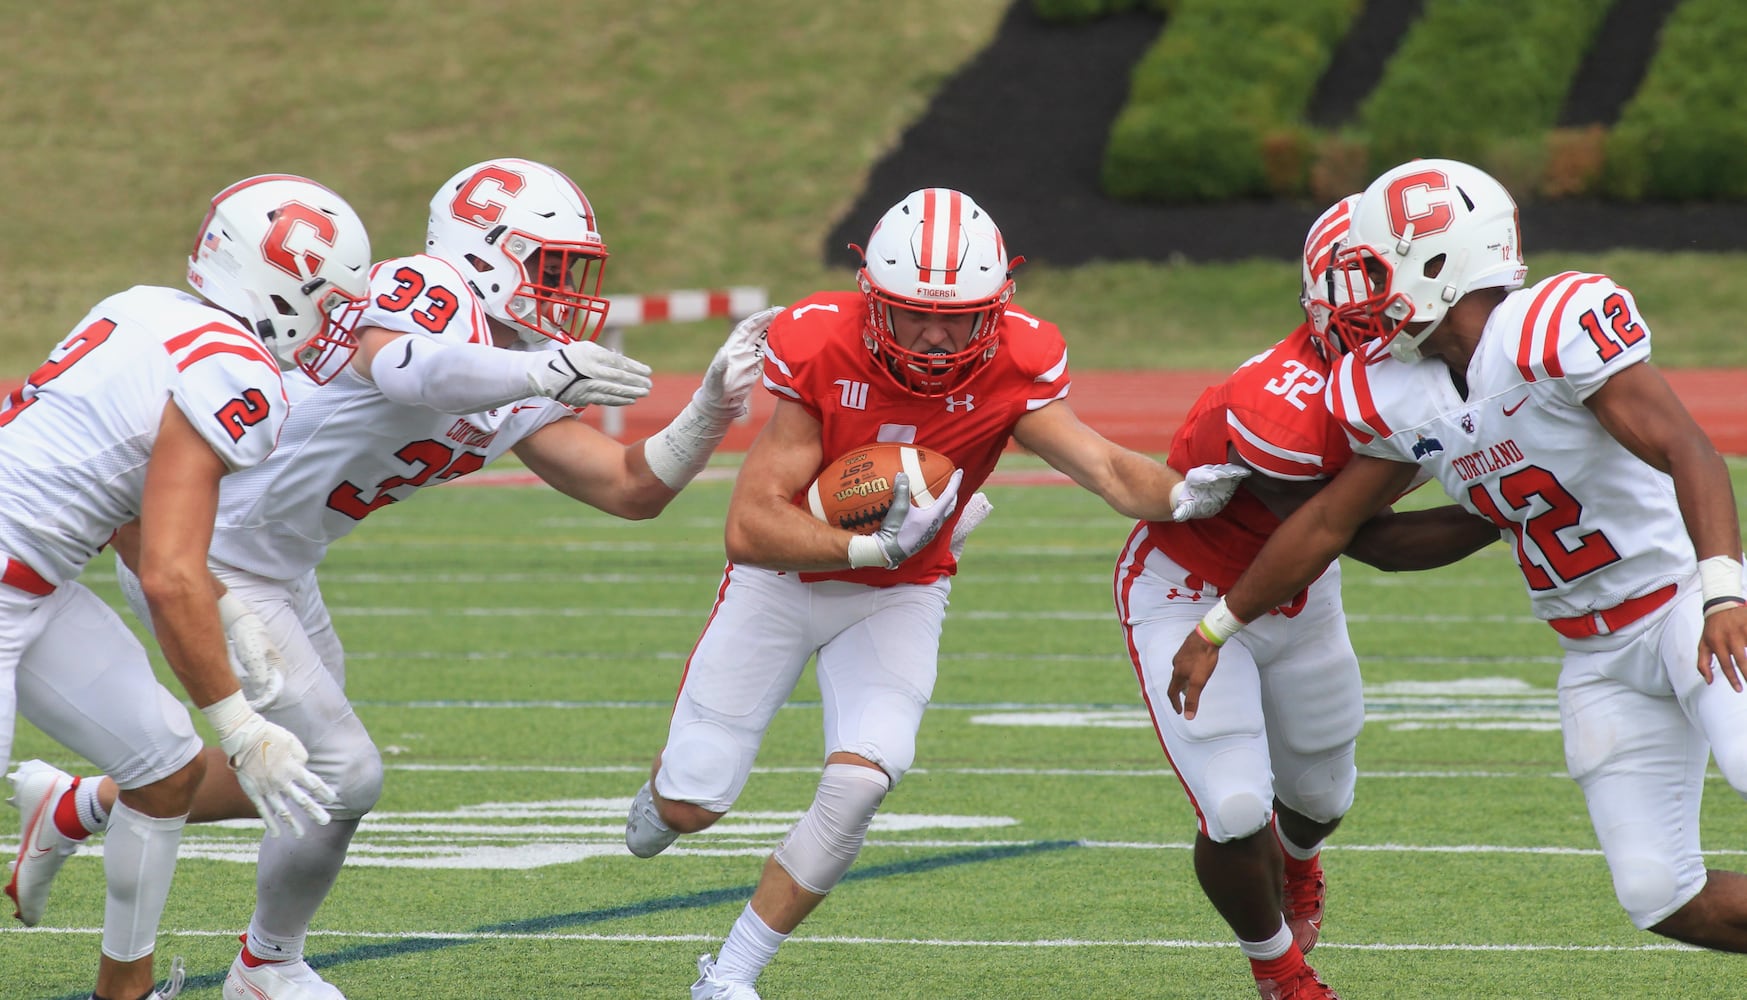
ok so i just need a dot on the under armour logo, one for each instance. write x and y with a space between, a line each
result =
954 404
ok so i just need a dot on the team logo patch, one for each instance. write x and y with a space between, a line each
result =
1425 446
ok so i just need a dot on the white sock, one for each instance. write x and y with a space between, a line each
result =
1293 850
749 948
92 816
292 877
1274 947
139 859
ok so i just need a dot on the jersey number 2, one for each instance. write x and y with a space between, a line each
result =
1568 563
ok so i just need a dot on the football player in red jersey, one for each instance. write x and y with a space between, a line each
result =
1537 408
930 351
1271 772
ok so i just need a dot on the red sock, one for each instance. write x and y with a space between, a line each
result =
1278 969
67 815
249 959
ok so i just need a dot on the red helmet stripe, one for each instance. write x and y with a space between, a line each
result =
1332 230
953 237
926 264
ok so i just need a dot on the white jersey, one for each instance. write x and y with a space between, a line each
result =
1592 524
348 450
75 439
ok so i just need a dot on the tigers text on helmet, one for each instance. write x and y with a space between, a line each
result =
935 252
1425 234
1318 291
524 236
291 259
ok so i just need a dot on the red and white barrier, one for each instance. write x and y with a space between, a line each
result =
685 306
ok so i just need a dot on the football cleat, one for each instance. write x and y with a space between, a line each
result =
293 980
37 788
1301 985
708 987
1305 891
645 834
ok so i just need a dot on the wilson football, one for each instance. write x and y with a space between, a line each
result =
855 490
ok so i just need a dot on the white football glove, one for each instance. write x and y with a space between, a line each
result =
738 363
269 762
587 374
1205 490
906 529
975 509
263 668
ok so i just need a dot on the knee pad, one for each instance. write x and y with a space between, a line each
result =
1323 789
822 846
701 764
347 759
1650 890
1235 794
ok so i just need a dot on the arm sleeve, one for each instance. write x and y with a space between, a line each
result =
451 378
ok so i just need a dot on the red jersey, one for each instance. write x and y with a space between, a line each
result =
1271 411
815 356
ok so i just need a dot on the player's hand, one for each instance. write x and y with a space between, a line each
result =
586 374
1724 642
907 529
738 363
1191 669
269 762
263 667
1205 490
975 509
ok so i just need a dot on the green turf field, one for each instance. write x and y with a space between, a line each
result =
515 655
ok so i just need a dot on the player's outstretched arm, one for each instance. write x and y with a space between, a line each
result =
415 370
1131 483
1298 551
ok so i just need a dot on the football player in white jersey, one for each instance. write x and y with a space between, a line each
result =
1537 409
480 346
154 397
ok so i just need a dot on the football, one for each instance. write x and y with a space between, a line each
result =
855 490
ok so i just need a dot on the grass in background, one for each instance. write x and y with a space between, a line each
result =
515 654
718 142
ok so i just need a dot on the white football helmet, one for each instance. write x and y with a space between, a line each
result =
1425 234
524 236
936 251
292 260
1318 292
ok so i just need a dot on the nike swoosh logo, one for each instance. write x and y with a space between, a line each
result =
1511 410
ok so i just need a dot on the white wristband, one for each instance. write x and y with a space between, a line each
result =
1176 494
1219 624
678 452
228 714
865 553
1720 580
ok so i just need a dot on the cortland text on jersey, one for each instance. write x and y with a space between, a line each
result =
1495 458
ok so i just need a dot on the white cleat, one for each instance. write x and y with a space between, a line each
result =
293 980
645 834
36 790
708 987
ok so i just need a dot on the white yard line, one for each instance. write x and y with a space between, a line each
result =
802 938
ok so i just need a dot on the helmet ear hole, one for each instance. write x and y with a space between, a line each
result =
1435 265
